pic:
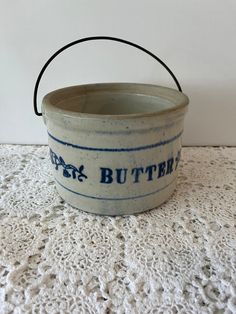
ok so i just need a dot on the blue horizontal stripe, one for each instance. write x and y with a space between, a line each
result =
115 199
129 149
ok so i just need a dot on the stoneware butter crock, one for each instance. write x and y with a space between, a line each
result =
114 147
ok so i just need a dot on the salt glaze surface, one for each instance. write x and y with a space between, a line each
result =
115 147
178 258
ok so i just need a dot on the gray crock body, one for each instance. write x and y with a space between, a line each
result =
115 147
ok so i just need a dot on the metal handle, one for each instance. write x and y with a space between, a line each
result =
89 39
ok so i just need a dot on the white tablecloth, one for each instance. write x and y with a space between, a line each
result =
178 258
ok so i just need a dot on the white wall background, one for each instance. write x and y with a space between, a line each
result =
197 39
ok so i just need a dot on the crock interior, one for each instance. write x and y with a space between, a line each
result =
114 99
114 104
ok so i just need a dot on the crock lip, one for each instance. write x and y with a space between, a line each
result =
51 106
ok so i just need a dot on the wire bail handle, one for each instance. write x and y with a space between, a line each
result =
90 39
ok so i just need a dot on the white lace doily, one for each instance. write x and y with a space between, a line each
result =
178 258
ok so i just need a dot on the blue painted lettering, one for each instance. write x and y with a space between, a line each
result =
139 174
121 175
162 168
177 159
149 170
170 163
106 175
136 172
